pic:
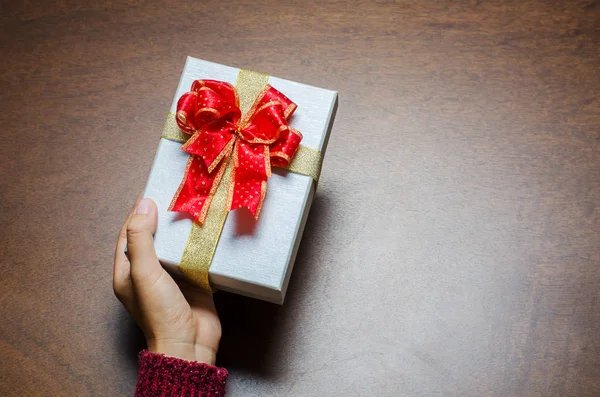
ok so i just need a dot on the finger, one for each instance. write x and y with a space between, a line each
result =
201 301
196 296
121 273
203 306
121 265
144 265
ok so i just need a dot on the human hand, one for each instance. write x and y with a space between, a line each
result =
178 320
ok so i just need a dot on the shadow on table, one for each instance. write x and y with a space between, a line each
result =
130 339
256 333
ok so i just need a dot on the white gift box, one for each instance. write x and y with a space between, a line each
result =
253 257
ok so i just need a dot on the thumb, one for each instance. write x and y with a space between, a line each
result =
145 268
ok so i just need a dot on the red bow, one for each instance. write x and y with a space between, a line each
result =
210 113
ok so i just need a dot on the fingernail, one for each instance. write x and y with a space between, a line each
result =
143 207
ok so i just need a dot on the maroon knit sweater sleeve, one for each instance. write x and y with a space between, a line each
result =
163 376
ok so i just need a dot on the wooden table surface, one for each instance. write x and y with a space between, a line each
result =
453 248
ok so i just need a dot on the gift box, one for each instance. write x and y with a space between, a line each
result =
234 177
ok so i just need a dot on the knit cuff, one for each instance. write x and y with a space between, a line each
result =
163 376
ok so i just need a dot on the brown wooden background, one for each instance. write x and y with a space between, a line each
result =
454 245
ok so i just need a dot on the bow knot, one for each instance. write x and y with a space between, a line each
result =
211 114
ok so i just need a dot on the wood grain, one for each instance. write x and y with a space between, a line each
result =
454 245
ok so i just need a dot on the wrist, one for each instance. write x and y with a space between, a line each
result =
184 351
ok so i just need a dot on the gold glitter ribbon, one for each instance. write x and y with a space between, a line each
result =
171 130
203 239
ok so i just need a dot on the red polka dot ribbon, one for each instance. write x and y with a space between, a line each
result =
211 114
